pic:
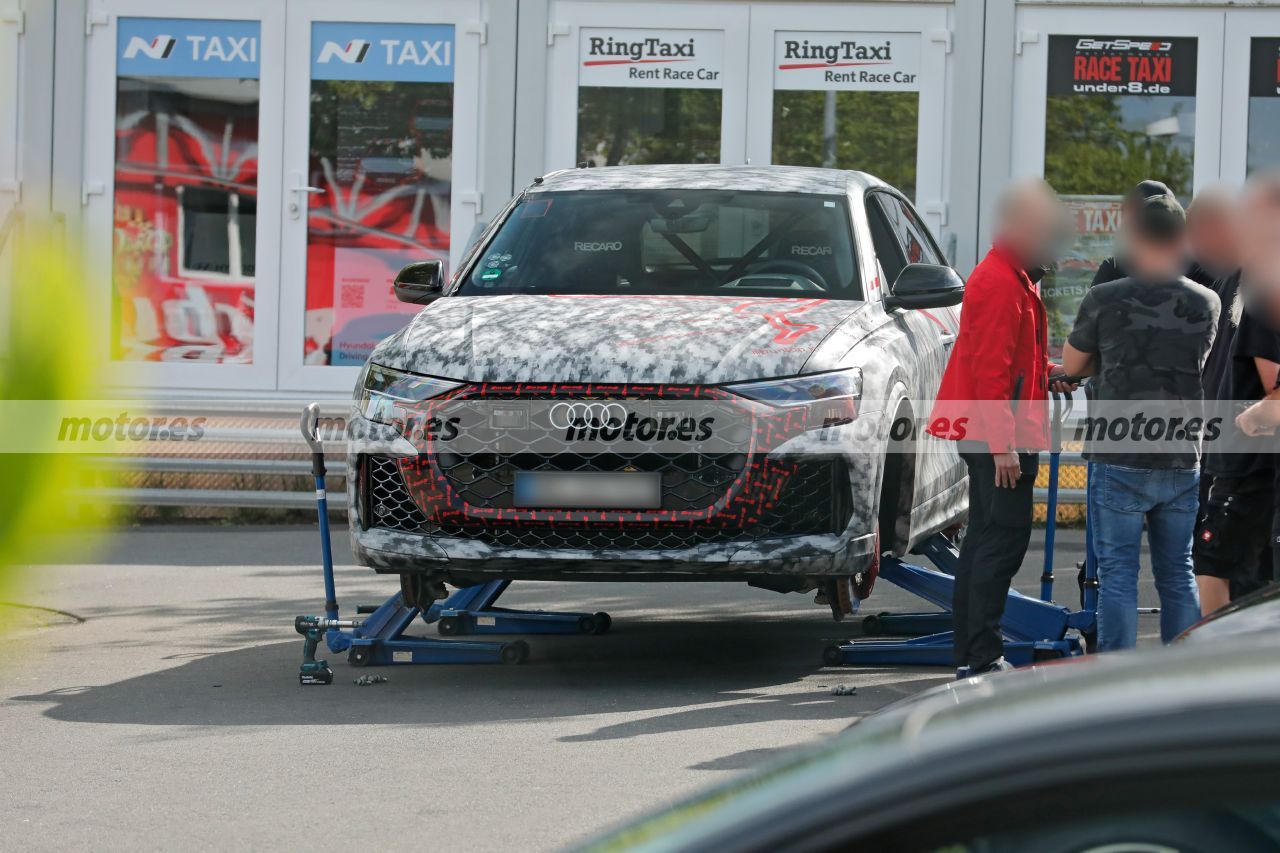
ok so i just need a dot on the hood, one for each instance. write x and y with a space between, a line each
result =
639 339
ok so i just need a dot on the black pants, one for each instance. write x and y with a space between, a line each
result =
991 554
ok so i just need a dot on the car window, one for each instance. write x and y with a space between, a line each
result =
888 253
646 242
908 231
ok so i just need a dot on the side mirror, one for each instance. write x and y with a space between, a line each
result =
420 282
925 286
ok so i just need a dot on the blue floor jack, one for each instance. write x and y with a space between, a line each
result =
1034 629
379 638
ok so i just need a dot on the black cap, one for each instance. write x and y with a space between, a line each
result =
1146 189
1159 218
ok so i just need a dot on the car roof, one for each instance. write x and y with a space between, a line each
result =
798 179
990 715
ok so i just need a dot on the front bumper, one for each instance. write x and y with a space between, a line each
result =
391 533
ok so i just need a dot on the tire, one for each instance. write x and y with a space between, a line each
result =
865 581
515 653
832 656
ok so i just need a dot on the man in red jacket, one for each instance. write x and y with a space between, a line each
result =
993 400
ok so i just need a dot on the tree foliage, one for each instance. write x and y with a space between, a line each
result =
1088 150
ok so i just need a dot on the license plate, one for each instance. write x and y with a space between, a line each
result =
588 490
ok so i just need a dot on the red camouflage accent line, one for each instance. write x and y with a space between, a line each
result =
746 501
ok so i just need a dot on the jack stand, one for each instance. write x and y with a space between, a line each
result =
471 610
379 639
1033 629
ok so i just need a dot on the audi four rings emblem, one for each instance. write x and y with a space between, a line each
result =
565 415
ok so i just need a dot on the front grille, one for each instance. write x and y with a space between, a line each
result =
385 501
814 499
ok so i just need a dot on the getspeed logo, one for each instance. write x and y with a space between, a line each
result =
1147 46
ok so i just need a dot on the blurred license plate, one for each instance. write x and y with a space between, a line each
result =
589 489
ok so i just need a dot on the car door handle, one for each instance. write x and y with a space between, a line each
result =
307 189
947 338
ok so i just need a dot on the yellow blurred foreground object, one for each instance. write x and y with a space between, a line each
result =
52 353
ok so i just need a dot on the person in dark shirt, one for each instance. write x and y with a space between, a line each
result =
1112 268
1232 549
1256 353
1145 338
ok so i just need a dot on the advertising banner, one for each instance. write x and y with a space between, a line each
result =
1112 65
661 59
1264 68
854 62
186 47
412 53
185 190
1097 219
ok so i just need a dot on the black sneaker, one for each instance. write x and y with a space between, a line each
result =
997 665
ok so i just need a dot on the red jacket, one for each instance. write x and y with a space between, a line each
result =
995 388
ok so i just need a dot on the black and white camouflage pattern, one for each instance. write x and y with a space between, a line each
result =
689 340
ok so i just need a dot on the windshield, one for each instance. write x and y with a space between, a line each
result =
646 242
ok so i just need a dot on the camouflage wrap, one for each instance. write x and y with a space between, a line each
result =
1151 341
693 341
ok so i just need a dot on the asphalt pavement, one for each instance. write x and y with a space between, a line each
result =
155 706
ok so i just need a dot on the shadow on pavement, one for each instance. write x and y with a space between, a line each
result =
695 674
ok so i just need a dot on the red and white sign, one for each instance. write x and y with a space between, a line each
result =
650 59
854 62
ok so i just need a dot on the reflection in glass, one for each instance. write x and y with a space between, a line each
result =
1096 148
1264 134
872 132
620 126
382 153
186 183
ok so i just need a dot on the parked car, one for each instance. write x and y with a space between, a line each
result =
1159 751
806 313
1252 614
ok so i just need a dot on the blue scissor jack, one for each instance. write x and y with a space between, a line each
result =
1034 628
379 638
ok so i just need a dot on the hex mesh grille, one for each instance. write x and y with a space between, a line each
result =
814 500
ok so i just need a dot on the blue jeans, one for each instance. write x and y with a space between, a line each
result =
1120 499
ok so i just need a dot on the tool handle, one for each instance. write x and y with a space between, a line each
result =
311 435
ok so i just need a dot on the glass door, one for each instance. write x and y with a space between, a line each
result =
381 134
853 87
1251 94
625 91
1103 100
179 159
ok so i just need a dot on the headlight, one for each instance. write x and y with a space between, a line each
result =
383 393
830 398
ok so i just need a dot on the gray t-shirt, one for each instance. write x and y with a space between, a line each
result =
1150 340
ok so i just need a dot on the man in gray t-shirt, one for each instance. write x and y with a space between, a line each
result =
1146 338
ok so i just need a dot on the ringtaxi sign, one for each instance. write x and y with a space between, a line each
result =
859 62
665 59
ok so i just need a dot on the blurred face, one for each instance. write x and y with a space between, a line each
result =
1031 225
1211 235
1258 227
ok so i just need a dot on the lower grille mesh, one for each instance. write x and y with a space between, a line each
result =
815 500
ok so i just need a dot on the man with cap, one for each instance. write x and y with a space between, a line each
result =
1145 339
